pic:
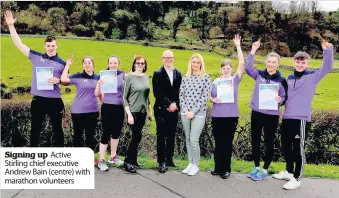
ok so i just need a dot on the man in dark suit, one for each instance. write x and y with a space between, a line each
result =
166 84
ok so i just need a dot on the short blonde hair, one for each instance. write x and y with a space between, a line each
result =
202 67
273 54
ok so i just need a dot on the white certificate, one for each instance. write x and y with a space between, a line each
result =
42 76
267 96
110 81
225 91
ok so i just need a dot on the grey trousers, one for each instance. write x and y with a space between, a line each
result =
193 129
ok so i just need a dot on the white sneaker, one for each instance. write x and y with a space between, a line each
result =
292 184
194 170
188 168
283 175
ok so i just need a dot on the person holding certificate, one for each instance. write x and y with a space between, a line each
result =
193 95
85 110
297 115
225 113
46 69
137 107
112 110
270 93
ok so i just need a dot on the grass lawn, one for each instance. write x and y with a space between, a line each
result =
16 65
240 166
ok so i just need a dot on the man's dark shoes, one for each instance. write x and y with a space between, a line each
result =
225 176
137 164
163 168
171 164
213 172
129 168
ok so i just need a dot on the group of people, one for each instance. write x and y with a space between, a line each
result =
182 97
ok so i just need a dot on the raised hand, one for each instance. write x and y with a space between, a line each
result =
325 44
9 18
256 45
70 60
237 39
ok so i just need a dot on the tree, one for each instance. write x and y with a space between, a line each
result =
56 17
204 22
173 20
32 18
123 19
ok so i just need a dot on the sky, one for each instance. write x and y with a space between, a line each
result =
329 5
326 5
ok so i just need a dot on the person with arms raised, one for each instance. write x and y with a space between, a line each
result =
297 115
269 94
46 72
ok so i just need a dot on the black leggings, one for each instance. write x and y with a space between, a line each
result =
269 123
112 121
85 122
139 122
223 130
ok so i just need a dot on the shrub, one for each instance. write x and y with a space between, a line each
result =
99 36
322 142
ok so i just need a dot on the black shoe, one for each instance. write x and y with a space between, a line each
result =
213 172
129 168
137 164
172 164
225 176
162 168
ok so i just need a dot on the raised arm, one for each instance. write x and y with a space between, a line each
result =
249 66
14 35
241 66
328 61
64 76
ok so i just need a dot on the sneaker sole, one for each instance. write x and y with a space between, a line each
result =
259 179
192 175
291 188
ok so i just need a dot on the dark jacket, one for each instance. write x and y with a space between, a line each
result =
163 91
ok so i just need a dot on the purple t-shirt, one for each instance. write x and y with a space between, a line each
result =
43 60
85 101
263 77
301 89
116 98
226 109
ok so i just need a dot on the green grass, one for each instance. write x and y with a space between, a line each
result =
240 166
314 63
16 65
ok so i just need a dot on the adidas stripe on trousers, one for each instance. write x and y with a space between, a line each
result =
293 136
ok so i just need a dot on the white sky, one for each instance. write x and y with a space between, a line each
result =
329 5
326 5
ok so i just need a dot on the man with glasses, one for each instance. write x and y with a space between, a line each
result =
166 83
